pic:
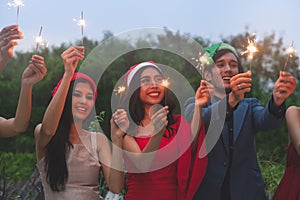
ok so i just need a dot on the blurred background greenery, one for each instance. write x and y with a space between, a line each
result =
17 154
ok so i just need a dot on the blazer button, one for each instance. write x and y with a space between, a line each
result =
225 163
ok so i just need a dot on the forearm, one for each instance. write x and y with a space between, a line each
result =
277 110
196 126
141 159
3 63
189 109
116 177
19 123
153 143
22 117
55 108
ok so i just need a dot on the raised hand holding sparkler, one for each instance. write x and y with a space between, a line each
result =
16 4
81 22
251 49
290 51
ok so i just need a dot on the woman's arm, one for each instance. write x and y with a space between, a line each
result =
159 121
55 108
202 97
137 156
112 165
35 72
114 172
293 124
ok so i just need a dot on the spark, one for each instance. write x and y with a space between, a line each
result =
251 49
39 40
165 82
290 51
16 4
81 22
120 89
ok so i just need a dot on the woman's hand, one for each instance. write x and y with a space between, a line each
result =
71 58
8 35
35 71
159 118
204 92
119 124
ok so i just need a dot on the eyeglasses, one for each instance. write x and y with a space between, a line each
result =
147 81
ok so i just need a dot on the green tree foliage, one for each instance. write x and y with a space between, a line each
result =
114 56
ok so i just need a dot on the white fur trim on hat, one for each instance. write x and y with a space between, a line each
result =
137 68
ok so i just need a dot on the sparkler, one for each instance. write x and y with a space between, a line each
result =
290 51
121 89
251 49
203 60
16 4
198 61
166 83
81 22
39 40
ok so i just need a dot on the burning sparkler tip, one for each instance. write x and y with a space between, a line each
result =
120 89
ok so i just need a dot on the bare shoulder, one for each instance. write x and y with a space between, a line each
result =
37 131
101 136
40 148
292 113
293 110
2 119
102 140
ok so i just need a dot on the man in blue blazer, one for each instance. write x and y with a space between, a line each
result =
231 121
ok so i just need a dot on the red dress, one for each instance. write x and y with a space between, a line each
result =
289 186
177 180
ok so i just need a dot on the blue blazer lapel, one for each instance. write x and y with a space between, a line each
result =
238 119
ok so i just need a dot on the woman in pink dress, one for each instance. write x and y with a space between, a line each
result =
70 157
160 147
289 186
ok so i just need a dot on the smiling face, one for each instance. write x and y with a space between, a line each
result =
82 101
224 69
151 90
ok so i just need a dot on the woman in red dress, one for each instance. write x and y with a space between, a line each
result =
160 147
289 186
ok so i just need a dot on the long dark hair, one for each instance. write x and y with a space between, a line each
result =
136 107
59 145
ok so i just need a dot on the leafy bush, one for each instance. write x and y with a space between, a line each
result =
272 173
16 167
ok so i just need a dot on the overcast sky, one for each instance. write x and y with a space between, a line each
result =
210 19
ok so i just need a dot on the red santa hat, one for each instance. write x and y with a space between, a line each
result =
135 68
79 75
